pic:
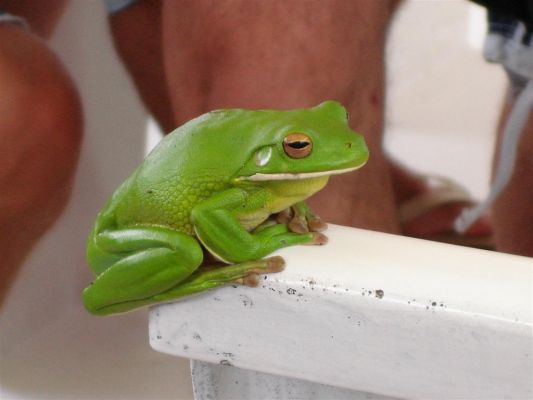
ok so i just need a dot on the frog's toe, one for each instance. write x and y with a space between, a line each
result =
285 216
300 219
314 222
275 264
251 280
319 239
267 266
316 225
298 225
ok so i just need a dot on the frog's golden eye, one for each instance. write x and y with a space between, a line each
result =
297 145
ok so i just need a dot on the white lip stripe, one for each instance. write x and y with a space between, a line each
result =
289 177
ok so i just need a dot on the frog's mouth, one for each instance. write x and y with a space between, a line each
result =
295 176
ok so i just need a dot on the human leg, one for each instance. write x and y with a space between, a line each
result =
285 55
509 43
428 206
41 16
137 36
513 211
40 134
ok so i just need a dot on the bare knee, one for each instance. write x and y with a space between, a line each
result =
41 122
40 132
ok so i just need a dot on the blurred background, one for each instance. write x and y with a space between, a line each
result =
443 102
443 99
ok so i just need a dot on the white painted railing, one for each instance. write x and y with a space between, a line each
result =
371 315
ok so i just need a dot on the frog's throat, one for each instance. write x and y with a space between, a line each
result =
296 176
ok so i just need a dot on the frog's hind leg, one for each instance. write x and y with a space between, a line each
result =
153 260
246 273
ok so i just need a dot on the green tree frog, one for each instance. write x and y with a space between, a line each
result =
210 188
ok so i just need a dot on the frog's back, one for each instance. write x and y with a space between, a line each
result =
178 174
190 164
167 202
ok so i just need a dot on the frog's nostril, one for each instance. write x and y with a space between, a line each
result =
348 145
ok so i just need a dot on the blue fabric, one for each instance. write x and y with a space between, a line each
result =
509 42
508 27
521 10
6 18
114 6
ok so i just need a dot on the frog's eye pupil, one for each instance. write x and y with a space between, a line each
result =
297 145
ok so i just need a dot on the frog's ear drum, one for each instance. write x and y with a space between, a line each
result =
297 145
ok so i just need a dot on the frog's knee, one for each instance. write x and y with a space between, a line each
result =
186 247
89 302
98 259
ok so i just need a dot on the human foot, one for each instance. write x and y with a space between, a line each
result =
429 205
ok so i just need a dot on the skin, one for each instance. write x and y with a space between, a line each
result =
211 186
41 16
243 56
512 213
137 34
40 132
258 52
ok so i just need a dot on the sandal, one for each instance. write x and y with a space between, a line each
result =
449 198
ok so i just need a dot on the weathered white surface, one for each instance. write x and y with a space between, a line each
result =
371 312
222 382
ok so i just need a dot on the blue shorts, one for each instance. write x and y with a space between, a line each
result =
114 6
6 18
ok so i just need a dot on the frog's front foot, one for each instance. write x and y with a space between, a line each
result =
300 219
